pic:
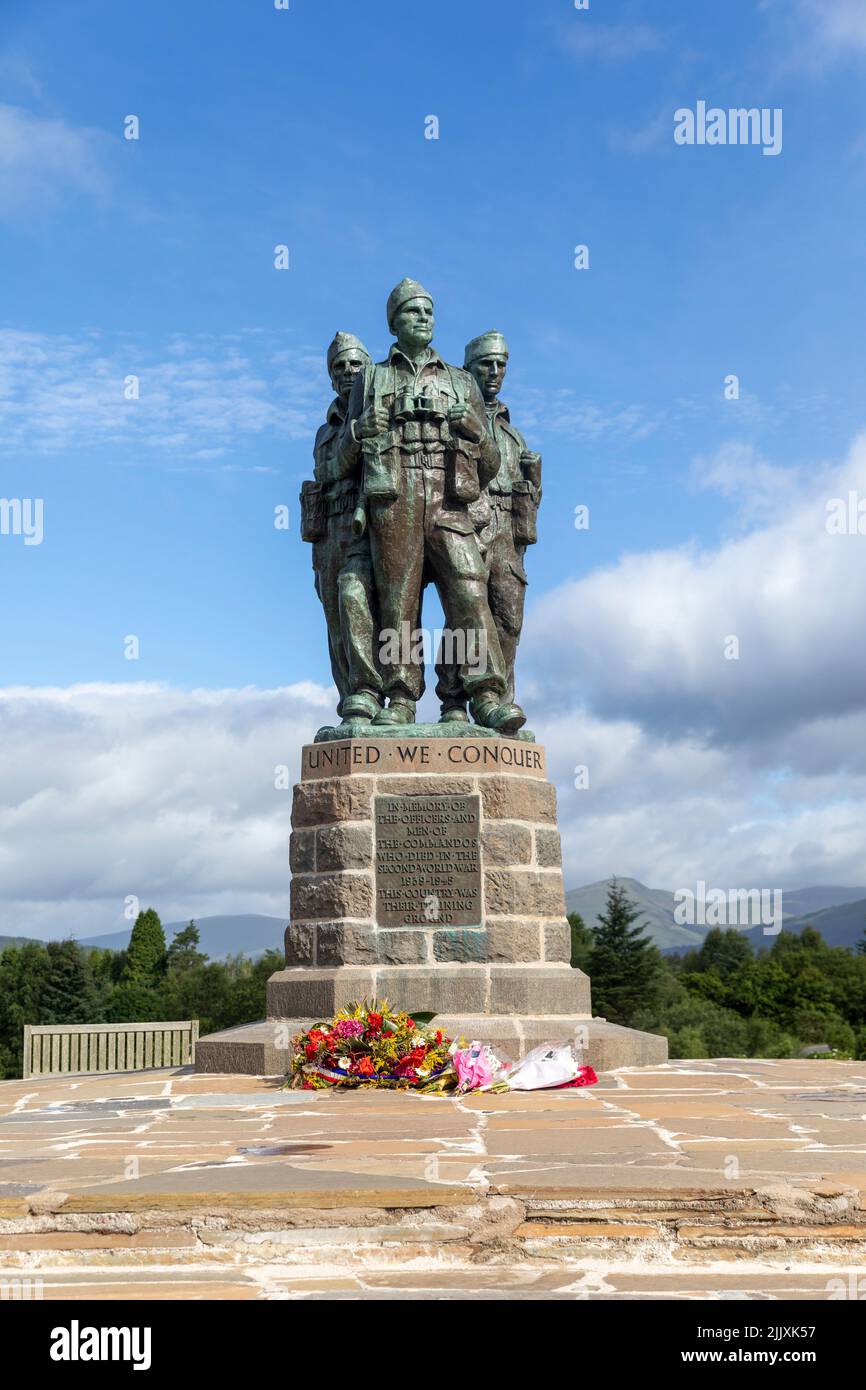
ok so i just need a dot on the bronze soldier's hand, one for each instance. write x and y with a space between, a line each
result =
374 421
461 418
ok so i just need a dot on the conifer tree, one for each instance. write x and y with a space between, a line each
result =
581 941
624 965
68 994
145 959
183 953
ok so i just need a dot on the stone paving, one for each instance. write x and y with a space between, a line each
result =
738 1178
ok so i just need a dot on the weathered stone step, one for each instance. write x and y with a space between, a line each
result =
175 1231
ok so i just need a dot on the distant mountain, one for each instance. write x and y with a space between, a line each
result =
250 934
799 902
16 941
831 910
655 905
838 913
840 926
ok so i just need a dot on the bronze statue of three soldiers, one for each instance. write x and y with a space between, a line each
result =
421 477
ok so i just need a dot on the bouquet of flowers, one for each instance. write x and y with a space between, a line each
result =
553 1066
373 1045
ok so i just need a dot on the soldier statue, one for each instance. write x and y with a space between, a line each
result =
505 516
426 453
341 558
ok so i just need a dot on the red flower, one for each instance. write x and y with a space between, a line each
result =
374 1023
410 1024
363 1067
311 1049
438 1036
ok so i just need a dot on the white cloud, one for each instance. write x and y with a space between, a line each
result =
758 489
562 411
645 638
196 397
672 810
651 134
112 790
819 34
586 39
43 159
749 772
839 25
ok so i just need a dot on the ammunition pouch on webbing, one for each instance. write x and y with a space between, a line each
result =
381 456
313 516
526 497
524 514
461 470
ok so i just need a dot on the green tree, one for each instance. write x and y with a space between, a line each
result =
23 973
726 952
687 1042
767 1039
183 953
581 941
816 1025
145 961
68 994
135 1001
624 966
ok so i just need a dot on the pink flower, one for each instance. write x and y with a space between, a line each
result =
349 1028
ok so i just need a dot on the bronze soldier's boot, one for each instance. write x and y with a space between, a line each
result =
453 713
398 712
362 705
505 719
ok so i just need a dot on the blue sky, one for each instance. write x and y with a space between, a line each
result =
306 128
259 127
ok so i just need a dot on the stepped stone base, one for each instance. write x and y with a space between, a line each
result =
427 870
464 990
260 1049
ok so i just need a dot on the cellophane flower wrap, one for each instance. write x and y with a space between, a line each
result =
372 1044
480 1067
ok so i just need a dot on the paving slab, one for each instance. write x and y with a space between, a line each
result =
705 1164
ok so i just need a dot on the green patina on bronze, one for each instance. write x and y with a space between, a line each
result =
341 560
504 515
420 477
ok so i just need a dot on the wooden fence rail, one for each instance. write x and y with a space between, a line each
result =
86 1049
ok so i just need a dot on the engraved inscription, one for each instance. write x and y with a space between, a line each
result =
464 756
428 868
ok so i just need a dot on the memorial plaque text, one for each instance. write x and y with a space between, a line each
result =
428 868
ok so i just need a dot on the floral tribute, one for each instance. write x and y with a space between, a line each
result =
373 1045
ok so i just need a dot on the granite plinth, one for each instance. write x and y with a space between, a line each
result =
427 870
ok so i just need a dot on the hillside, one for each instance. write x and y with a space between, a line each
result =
838 913
840 926
832 910
250 934
655 905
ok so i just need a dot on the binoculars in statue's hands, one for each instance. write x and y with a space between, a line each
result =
411 406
